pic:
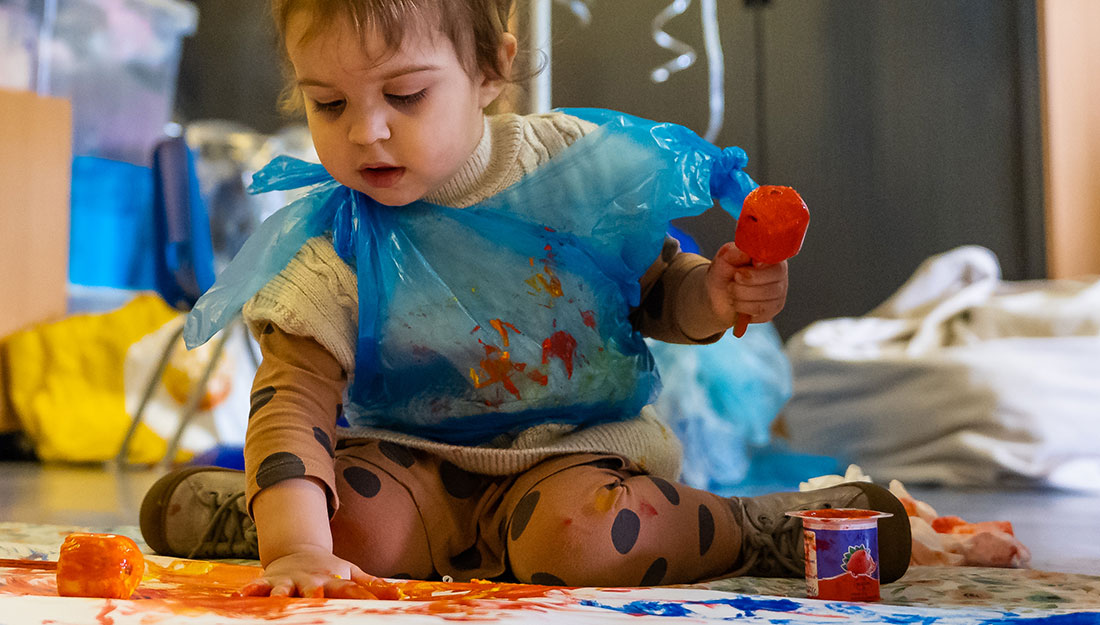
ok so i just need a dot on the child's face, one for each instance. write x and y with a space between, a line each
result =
394 124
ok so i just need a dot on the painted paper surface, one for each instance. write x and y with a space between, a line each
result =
188 591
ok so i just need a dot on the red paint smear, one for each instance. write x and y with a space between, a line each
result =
44 565
589 318
539 377
560 345
102 616
647 509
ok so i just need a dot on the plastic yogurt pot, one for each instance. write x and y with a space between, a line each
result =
841 553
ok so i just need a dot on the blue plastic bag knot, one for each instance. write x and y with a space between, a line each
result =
728 181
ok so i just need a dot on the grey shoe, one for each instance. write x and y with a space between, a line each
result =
771 544
199 512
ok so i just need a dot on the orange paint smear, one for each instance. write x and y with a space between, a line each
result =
188 587
497 366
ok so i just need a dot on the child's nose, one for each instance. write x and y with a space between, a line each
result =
369 128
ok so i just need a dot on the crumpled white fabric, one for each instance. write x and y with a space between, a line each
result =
959 378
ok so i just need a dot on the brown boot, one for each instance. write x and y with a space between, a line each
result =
771 544
199 512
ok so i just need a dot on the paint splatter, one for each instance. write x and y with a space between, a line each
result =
496 368
560 345
589 318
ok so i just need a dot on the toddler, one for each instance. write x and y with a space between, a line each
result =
465 454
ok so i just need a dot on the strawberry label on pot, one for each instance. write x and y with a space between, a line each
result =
841 555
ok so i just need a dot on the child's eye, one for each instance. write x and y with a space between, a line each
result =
407 100
332 106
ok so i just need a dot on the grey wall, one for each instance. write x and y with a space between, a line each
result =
909 126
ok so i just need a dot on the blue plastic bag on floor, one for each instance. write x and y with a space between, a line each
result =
721 400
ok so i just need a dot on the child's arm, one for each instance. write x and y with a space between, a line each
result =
295 402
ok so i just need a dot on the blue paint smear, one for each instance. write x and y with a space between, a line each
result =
1077 618
747 605
870 613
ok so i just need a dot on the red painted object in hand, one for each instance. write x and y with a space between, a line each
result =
770 230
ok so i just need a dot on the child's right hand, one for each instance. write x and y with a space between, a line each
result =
317 574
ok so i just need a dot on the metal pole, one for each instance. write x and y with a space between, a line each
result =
539 48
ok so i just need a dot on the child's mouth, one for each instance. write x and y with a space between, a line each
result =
381 177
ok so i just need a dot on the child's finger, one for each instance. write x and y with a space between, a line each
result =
345 589
758 293
761 274
256 588
729 258
376 586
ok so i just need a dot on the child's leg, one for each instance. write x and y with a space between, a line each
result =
407 513
596 520
603 523
378 525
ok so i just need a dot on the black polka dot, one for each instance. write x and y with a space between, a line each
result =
279 466
460 484
668 490
656 573
706 529
397 453
522 513
362 481
322 437
624 532
546 579
260 398
467 560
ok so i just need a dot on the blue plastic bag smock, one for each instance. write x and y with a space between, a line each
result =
486 320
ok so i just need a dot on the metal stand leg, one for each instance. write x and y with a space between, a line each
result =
150 388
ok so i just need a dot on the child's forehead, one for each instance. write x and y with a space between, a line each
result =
377 37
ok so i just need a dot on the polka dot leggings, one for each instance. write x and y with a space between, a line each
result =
576 520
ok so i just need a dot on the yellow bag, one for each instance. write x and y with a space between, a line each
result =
66 383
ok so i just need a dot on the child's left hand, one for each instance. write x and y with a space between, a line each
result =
734 284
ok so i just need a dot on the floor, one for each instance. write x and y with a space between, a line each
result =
1061 529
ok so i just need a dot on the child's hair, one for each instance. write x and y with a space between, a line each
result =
474 27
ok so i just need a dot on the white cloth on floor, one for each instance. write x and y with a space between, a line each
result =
959 378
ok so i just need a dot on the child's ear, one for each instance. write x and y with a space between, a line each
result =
492 87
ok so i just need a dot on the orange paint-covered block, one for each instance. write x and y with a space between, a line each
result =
99 565
772 224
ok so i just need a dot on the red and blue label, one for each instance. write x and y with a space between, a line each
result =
842 564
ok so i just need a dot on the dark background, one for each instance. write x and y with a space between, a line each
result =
910 126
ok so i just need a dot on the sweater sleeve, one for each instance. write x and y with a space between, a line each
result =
315 296
664 303
296 400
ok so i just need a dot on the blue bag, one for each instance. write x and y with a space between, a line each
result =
486 320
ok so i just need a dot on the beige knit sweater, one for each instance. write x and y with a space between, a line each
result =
316 296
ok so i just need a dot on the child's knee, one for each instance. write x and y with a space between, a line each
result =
565 524
378 525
